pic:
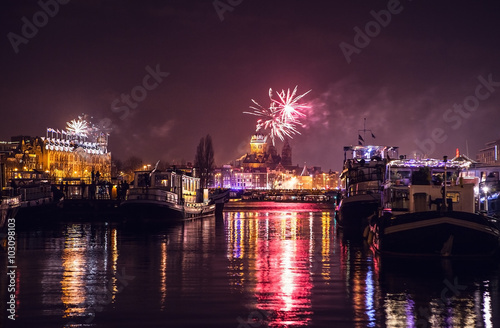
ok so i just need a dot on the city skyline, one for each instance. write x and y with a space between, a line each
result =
163 75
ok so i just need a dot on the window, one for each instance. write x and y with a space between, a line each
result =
455 196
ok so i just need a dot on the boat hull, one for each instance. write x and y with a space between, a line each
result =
8 210
355 212
220 197
451 234
156 211
42 208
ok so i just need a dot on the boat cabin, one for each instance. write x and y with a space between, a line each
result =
185 187
364 169
486 180
419 185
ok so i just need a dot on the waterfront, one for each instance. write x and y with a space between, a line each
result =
276 265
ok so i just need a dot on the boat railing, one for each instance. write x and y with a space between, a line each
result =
368 191
196 205
36 192
418 198
11 201
152 194
358 176
367 187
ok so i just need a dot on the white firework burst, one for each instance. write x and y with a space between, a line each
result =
78 127
282 118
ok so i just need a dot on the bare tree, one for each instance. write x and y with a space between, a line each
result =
204 160
130 165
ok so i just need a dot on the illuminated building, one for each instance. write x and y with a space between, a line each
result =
490 154
261 156
222 176
253 179
263 168
68 154
260 168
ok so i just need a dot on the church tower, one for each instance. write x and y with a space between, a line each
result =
258 144
286 154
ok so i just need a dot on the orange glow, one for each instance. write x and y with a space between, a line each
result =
163 274
325 245
73 281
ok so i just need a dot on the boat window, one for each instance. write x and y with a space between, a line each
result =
400 176
454 196
161 180
492 176
143 180
399 199
437 179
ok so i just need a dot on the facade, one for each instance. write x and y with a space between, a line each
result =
73 154
260 157
490 153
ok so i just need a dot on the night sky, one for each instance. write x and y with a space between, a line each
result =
429 74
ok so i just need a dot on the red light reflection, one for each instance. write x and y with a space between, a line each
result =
273 253
283 281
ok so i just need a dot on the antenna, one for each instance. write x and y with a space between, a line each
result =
362 139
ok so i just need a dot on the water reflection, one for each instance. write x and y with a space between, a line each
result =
274 255
400 292
269 254
287 268
438 294
76 272
326 234
73 280
361 272
163 273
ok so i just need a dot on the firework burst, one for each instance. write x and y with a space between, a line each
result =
282 117
78 127
288 105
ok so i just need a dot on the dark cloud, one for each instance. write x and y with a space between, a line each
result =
427 58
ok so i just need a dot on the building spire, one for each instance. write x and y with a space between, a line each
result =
286 154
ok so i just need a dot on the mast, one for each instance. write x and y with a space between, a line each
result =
443 208
362 139
364 128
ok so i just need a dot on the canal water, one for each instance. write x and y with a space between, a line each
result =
263 265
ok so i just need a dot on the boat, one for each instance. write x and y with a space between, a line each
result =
166 196
486 179
9 206
219 197
361 181
9 203
429 210
36 194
